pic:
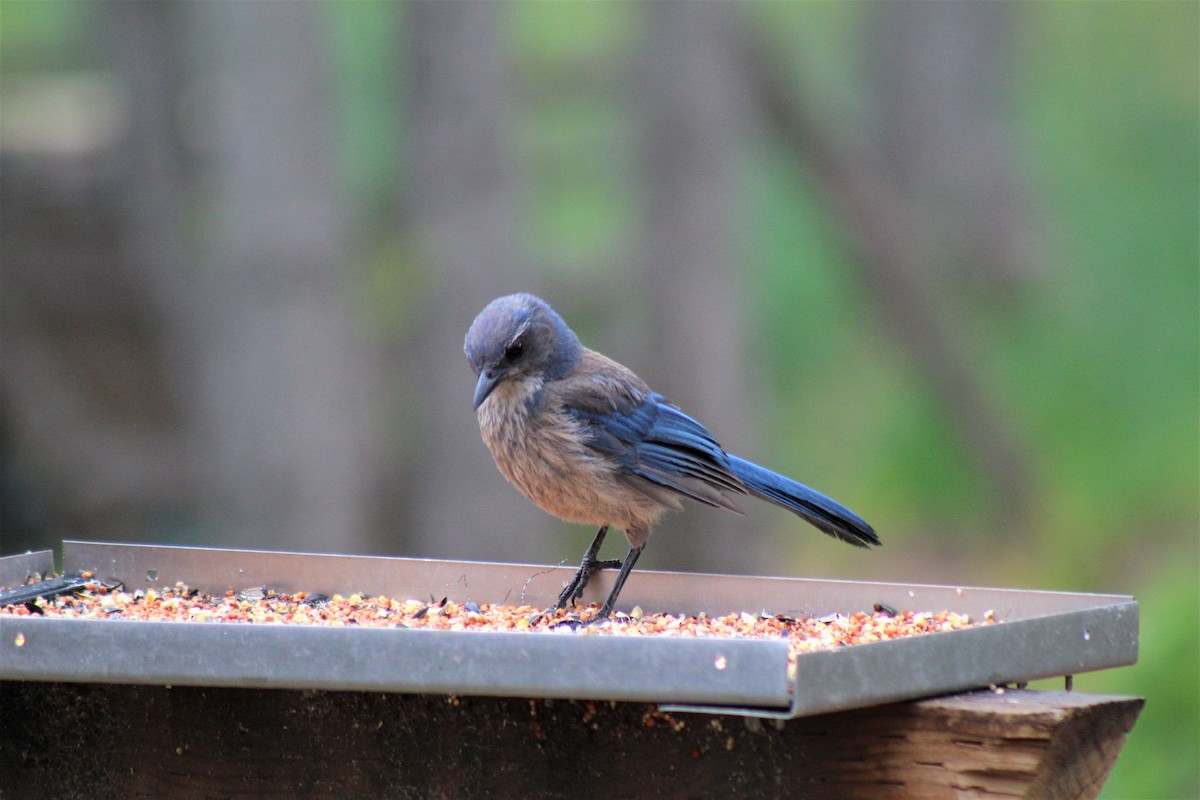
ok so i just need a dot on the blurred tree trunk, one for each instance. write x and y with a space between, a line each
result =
86 429
463 207
941 71
692 97
144 39
93 353
896 243
282 430
940 74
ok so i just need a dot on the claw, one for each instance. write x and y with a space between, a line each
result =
590 564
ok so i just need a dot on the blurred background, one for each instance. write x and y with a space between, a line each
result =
939 261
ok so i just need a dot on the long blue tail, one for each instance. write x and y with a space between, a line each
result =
828 515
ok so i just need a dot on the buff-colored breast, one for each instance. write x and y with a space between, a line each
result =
549 462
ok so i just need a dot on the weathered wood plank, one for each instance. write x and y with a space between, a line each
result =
89 740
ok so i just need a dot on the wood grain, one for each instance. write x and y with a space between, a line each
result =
91 740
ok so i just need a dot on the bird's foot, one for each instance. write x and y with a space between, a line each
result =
573 621
555 618
574 590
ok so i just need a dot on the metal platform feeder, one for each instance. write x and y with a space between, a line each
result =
1039 635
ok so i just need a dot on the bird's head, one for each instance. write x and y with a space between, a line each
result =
516 337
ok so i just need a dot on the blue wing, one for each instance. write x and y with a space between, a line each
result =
665 454
658 447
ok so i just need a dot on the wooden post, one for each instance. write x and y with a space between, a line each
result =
68 741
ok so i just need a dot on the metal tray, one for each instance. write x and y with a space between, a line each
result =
15 570
1044 634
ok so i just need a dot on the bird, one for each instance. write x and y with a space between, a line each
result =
588 441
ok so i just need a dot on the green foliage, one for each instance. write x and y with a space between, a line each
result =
1159 759
365 56
1113 338
37 35
574 138
1097 359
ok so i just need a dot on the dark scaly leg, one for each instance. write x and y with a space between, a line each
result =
589 565
626 568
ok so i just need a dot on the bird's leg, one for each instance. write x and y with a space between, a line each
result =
626 568
589 565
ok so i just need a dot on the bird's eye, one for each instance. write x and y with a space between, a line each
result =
514 350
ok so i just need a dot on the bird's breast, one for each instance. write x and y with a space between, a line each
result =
544 453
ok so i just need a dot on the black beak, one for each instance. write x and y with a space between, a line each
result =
488 381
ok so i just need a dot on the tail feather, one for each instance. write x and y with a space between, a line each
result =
828 515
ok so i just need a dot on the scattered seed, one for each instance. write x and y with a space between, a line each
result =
183 604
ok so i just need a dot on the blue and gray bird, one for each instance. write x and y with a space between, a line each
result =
589 442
